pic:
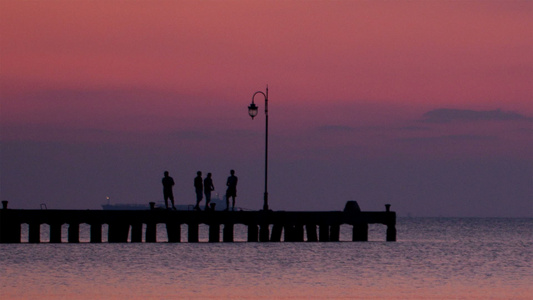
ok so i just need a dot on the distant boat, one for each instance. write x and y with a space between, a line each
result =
220 204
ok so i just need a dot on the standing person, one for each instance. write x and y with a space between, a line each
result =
198 185
232 189
208 187
168 183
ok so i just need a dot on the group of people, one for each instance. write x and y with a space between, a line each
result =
203 186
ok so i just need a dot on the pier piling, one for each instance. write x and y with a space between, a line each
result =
96 233
193 233
323 233
34 234
253 233
214 233
74 233
311 233
173 232
277 229
228 233
264 232
55 233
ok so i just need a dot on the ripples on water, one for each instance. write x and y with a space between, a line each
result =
433 259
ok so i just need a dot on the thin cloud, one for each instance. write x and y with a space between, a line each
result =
445 115
414 128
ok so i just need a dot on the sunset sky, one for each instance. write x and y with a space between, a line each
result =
426 105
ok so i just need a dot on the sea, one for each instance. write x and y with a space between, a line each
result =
433 258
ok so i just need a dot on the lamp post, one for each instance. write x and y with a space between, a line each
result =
252 111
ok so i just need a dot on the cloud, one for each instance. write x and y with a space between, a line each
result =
445 115
414 128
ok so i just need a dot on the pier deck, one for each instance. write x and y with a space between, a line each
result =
263 226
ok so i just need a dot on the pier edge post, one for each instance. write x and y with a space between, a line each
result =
10 231
360 232
391 233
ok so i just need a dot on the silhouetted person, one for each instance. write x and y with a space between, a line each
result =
198 185
168 183
232 189
208 187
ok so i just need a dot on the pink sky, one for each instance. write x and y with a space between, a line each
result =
166 85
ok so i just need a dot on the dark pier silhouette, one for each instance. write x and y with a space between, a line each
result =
263 226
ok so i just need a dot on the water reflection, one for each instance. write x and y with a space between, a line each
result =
475 259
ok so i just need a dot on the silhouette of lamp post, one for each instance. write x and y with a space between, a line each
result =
252 111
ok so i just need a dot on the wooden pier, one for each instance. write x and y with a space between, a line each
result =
263 226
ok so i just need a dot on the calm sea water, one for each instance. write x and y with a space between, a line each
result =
434 258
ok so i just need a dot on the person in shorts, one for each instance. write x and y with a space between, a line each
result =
231 192
168 183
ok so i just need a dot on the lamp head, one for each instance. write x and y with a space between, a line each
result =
252 110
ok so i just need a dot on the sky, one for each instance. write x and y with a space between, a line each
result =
424 105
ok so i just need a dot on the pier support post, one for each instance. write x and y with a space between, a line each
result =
193 233
311 233
253 233
174 232
360 232
323 233
334 232
228 233
34 233
294 233
391 233
96 233
298 233
136 232
118 233
276 233
214 233
10 231
55 233
151 233
16 234
264 233
289 233
74 233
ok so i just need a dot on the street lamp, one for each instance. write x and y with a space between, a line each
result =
252 111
